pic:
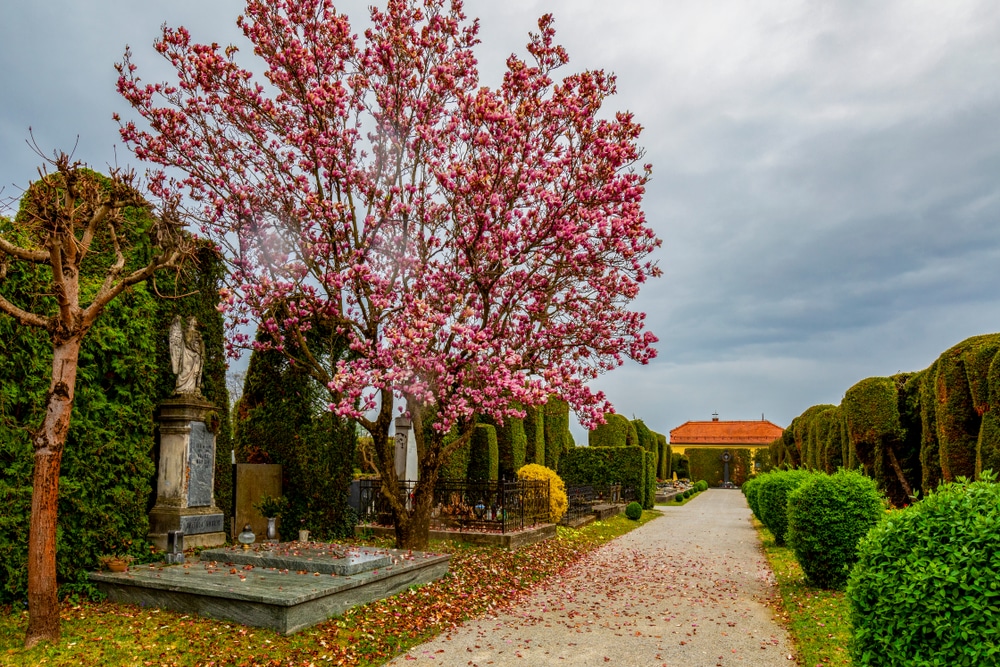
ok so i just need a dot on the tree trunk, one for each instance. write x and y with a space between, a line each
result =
413 530
894 462
48 441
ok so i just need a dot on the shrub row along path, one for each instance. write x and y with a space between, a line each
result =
688 589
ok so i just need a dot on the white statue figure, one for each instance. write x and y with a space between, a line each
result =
187 356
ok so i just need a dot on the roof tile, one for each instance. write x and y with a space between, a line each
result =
725 433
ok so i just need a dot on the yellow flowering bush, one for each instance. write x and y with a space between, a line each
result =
558 503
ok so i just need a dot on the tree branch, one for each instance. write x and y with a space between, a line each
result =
23 316
37 256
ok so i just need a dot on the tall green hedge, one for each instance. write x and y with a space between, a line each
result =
583 466
791 455
910 431
875 428
680 465
616 431
872 414
108 469
776 451
957 420
456 464
558 439
512 444
663 470
534 434
281 418
649 493
805 435
828 433
988 445
930 449
644 437
483 455
706 463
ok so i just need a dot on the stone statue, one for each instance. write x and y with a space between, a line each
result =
187 356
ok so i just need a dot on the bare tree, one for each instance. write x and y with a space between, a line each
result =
65 216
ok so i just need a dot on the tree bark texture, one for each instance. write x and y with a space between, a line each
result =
48 441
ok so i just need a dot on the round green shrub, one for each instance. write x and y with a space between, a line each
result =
701 485
634 511
926 588
773 500
679 497
750 489
827 517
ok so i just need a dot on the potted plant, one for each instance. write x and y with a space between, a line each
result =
271 509
115 562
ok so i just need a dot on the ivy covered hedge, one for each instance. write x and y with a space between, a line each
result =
108 468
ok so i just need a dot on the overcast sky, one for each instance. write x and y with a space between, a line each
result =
826 174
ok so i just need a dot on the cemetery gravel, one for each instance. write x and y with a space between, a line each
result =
690 588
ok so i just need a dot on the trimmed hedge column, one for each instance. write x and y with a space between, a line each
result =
483 463
663 451
988 447
534 435
511 446
616 431
558 439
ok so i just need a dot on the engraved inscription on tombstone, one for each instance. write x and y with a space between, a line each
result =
208 523
201 463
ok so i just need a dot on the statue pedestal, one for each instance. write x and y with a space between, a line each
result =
185 479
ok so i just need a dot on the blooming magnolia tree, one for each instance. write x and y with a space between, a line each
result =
475 246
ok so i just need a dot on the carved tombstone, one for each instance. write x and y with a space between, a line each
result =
185 479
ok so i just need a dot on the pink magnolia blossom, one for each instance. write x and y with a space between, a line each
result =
475 246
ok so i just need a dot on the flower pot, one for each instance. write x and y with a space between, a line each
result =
117 565
303 535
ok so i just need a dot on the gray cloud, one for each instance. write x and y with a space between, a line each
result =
826 174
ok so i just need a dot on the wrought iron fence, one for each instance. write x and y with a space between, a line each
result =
629 494
581 503
503 506
583 498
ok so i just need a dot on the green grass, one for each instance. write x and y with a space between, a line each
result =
817 619
481 579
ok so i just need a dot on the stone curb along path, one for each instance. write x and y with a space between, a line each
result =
688 589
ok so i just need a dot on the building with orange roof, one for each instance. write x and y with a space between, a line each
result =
717 434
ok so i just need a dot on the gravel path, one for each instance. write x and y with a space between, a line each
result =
687 590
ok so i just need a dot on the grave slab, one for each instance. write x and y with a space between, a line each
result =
285 599
312 556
